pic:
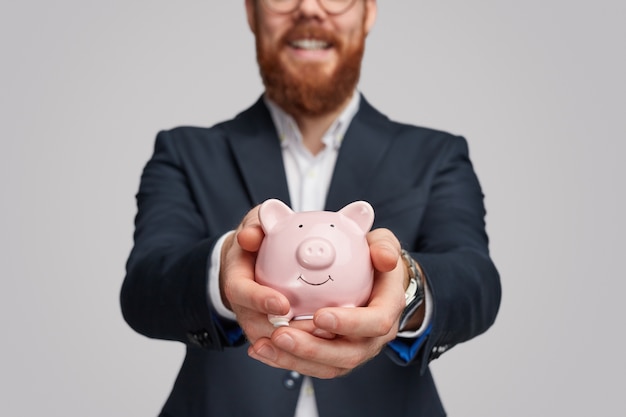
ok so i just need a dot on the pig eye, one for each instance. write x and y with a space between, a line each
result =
332 225
300 226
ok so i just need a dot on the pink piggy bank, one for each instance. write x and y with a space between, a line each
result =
316 258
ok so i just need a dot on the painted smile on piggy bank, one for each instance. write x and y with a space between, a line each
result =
327 252
312 283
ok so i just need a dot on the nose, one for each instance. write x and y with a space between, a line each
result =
311 8
315 253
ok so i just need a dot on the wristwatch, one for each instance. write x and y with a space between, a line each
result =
414 294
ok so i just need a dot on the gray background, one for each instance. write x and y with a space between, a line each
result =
537 87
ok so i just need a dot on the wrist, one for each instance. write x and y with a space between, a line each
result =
228 243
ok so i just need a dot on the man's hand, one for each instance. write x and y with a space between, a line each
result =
250 301
338 340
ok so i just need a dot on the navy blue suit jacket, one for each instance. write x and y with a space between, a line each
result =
199 184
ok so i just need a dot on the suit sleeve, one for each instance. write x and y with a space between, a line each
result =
164 294
452 249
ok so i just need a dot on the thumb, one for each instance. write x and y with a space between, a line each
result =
384 249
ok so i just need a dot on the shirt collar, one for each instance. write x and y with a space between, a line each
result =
288 130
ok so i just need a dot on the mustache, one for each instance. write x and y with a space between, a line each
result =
310 31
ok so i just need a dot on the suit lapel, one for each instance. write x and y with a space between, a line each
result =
362 150
257 151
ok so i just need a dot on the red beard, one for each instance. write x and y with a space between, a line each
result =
308 91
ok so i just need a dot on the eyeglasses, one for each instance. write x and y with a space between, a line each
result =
330 6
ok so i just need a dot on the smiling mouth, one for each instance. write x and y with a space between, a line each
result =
310 44
300 277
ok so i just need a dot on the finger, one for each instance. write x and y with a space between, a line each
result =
378 318
371 321
303 356
309 355
250 233
240 289
250 238
384 249
248 294
309 326
255 325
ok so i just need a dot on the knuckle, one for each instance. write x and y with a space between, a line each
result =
229 290
354 361
358 358
385 326
307 351
330 373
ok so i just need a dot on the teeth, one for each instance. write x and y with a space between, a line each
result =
310 44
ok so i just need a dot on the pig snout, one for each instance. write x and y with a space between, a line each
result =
315 253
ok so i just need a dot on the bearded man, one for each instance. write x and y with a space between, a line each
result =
314 142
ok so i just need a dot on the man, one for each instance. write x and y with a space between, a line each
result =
315 143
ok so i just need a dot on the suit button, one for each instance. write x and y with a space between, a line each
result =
200 338
438 351
290 379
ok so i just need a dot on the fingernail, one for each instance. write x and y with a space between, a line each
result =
273 306
324 334
326 321
267 352
285 341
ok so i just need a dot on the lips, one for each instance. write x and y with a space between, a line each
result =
310 44
310 37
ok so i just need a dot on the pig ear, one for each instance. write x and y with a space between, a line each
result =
271 212
361 213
